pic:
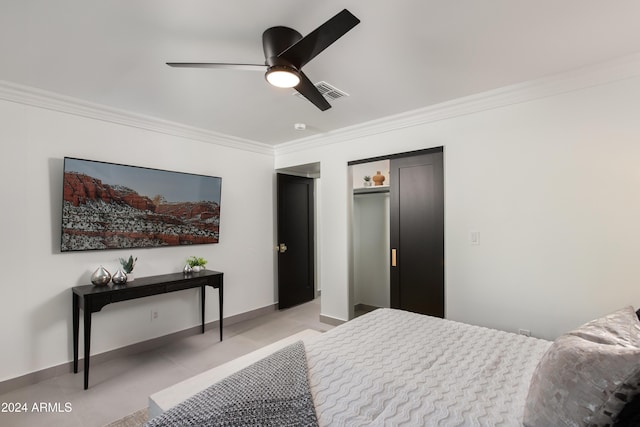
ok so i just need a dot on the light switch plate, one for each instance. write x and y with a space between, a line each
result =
474 237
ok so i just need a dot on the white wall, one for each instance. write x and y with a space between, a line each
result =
371 224
551 185
35 295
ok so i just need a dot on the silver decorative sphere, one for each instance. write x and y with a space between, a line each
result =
120 277
101 277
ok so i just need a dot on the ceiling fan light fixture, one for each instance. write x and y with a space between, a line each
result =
286 52
282 76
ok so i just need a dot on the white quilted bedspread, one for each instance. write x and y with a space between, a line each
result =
392 367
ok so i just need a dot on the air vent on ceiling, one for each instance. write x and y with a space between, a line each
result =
331 93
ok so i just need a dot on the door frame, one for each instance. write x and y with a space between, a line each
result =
311 171
439 149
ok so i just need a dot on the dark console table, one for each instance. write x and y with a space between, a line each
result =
92 298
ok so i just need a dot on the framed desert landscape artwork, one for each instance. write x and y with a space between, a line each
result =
114 206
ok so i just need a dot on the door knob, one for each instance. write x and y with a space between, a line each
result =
282 248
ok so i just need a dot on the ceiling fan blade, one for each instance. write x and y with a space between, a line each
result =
248 67
319 39
309 91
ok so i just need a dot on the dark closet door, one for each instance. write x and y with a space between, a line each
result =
295 240
417 233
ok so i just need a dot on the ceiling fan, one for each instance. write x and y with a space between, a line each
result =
286 52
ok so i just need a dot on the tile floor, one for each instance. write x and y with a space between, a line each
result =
121 386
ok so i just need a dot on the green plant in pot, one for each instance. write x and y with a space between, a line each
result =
127 266
367 181
196 263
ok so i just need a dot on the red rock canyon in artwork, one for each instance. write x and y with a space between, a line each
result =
100 216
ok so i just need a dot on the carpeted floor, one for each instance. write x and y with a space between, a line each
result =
132 420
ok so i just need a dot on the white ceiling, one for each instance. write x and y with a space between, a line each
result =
404 55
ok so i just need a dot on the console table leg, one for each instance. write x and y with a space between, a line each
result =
76 330
203 292
87 345
220 303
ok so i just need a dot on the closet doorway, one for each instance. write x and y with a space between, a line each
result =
370 238
398 233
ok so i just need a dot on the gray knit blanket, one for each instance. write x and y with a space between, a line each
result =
272 392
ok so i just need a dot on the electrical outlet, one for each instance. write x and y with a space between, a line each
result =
525 332
154 315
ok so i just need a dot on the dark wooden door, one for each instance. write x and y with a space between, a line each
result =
295 240
417 233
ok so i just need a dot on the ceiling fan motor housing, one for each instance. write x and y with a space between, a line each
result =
276 40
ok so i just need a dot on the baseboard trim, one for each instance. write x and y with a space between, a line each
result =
331 320
139 347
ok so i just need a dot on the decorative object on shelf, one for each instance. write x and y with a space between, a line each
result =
187 269
101 277
378 178
367 181
196 263
127 266
119 277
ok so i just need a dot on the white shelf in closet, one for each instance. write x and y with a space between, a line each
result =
371 190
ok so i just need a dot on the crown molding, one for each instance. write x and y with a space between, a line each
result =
577 79
53 101
594 75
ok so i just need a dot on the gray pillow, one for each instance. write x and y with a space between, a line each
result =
587 375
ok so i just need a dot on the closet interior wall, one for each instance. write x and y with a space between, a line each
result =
371 258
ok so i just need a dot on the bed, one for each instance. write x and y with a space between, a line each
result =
391 367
